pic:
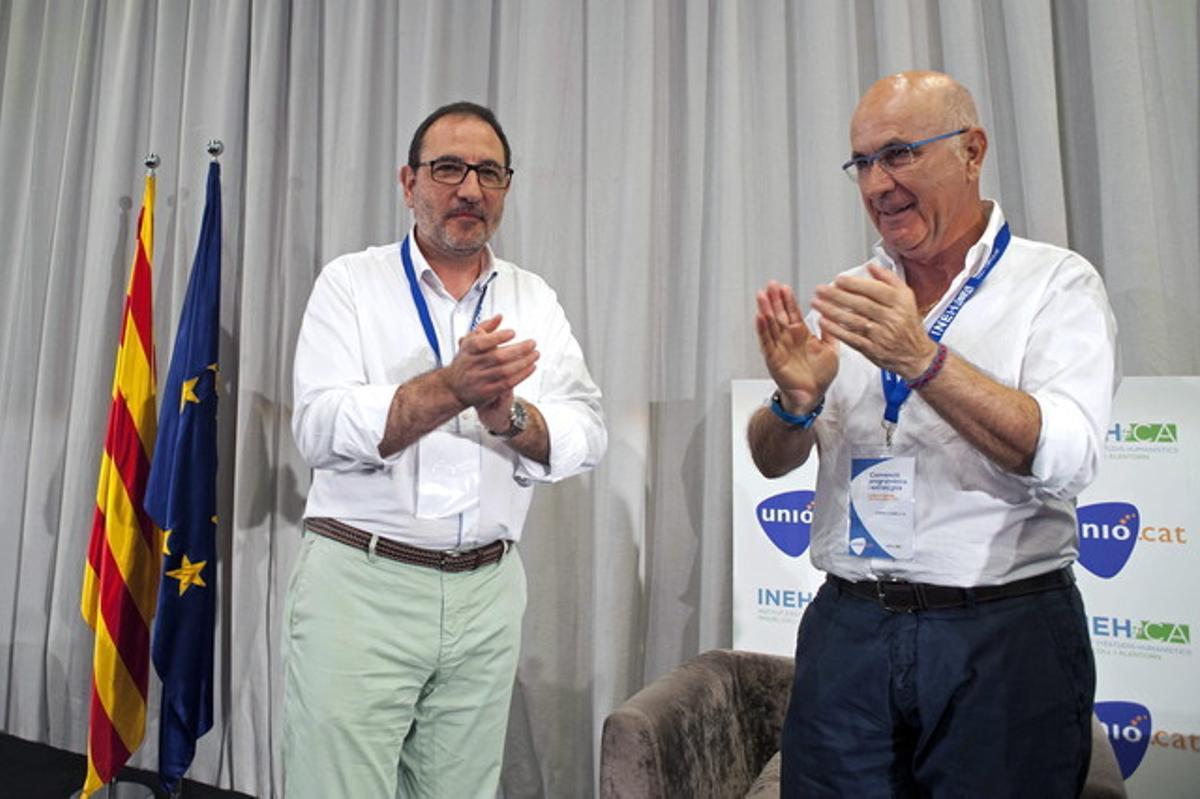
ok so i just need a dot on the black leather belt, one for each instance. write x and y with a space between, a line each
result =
443 560
901 597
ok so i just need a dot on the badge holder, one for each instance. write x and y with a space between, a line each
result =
448 465
883 505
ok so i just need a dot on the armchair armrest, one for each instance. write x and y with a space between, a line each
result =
706 728
1104 779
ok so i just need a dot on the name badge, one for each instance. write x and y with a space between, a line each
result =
882 506
448 468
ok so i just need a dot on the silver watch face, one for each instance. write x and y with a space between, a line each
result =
518 417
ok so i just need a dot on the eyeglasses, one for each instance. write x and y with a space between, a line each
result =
893 158
452 172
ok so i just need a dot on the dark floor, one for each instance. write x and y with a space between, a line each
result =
36 771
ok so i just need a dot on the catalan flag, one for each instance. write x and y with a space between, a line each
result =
120 579
182 498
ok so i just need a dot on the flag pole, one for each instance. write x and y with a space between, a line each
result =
117 788
130 372
181 500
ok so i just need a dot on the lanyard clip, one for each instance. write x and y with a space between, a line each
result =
889 430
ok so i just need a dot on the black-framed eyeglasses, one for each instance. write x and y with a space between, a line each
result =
452 172
892 158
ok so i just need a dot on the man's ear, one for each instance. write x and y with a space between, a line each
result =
975 144
408 179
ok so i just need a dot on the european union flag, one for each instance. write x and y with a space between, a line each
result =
181 497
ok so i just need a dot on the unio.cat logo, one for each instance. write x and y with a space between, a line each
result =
1127 725
787 520
1107 533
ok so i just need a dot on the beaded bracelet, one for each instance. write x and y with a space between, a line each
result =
932 370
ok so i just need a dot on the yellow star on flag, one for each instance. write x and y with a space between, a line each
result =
166 544
188 393
188 574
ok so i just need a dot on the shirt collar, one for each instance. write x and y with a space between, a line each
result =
977 255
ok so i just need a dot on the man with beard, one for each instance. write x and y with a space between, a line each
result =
434 385
957 386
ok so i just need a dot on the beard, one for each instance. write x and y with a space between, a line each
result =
453 235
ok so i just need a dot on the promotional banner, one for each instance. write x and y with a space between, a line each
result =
773 578
1138 571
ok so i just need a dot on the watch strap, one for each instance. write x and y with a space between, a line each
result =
803 422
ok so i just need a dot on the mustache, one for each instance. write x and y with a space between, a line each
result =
469 210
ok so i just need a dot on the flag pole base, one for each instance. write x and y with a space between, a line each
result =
120 789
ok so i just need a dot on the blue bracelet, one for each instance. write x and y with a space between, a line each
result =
803 422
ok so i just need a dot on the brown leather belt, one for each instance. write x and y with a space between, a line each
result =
901 597
443 560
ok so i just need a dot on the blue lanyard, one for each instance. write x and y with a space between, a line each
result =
423 307
895 390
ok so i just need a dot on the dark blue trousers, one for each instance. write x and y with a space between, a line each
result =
990 700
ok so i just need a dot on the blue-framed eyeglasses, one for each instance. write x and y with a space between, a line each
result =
893 158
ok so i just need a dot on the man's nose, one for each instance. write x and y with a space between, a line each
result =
470 188
875 181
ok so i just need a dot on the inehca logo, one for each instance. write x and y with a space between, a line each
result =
1107 533
1145 432
787 520
1128 727
1160 632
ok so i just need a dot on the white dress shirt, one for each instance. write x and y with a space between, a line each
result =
362 337
1041 323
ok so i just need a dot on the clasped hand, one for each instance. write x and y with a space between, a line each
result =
487 368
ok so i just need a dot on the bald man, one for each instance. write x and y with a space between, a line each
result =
957 386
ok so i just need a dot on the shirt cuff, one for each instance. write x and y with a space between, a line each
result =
362 423
568 448
1066 459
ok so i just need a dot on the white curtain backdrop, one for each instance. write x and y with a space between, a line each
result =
670 156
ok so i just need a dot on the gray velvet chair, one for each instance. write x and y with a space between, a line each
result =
710 728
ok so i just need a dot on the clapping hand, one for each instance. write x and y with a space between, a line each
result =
802 365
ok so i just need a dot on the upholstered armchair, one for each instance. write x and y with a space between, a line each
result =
710 728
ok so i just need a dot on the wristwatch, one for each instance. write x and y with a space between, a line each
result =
803 422
518 420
